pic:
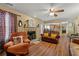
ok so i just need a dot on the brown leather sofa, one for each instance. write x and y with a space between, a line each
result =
49 38
20 48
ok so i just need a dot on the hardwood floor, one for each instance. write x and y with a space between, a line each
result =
48 49
63 46
42 48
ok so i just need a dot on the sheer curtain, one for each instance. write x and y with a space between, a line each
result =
7 26
10 26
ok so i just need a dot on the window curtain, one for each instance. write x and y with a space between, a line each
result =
12 26
11 23
7 26
2 28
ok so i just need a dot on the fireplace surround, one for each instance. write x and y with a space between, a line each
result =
32 35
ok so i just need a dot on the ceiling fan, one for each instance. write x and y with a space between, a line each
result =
54 11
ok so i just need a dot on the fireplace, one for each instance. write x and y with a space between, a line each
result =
32 35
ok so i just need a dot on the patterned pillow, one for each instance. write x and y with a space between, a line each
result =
18 39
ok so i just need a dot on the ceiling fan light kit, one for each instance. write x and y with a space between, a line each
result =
53 14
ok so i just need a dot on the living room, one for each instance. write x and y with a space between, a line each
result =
48 27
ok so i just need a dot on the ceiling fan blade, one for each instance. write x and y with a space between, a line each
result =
60 10
56 10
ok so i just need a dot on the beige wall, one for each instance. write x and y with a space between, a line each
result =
38 21
23 18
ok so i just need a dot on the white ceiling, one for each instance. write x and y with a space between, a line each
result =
40 10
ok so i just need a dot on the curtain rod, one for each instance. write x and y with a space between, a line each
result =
10 12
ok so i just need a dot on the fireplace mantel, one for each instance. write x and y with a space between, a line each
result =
31 28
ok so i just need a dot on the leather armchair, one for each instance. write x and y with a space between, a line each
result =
20 48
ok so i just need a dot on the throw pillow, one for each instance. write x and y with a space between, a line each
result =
17 39
46 34
53 36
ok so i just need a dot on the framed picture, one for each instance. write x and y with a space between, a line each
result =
20 23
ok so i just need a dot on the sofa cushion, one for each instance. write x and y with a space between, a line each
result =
53 36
